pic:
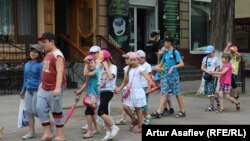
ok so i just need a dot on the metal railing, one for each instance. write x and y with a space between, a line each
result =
12 59
241 79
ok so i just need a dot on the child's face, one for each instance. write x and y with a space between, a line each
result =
47 45
142 60
224 60
34 54
134 62
92 64
127 61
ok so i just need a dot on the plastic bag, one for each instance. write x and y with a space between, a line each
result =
22 115
90 100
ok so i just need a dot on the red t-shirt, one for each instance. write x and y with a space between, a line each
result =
49 72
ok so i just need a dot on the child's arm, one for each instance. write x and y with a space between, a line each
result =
109 74
220 72
87 72
150 81
124 83
59 75
82 88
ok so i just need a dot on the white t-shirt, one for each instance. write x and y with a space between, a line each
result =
105 83
211 63
148 69
135 77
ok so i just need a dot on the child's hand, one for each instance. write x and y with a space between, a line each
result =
117 90
77 93
57 92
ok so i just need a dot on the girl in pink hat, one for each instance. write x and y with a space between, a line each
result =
136 98
107 88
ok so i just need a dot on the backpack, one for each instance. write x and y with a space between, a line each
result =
174 55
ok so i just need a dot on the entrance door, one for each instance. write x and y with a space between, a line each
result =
142 22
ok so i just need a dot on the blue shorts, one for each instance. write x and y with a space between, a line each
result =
170 83
210 87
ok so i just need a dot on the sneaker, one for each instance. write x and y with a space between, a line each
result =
107 136
165 113
114 130
171 111
147 120
28 136
210 108
84 127
155 115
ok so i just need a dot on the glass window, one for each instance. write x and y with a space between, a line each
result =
199 25
18 20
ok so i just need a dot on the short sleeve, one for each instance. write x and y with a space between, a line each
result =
113 70
178 56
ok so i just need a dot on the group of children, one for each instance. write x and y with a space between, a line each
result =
43 88
44 83
226 73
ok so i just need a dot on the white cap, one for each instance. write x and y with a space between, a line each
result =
141 53
95 49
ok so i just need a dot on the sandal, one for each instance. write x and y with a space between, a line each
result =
180 114
85 136
220 111
46 139
138 130
238 106
121 122
133 124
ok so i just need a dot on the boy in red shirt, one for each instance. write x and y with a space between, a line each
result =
50 92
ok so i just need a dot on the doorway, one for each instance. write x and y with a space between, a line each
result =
143 21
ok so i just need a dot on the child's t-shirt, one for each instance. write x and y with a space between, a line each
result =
106 84
148 69
93 83
211 63
49 72
170 61
135 77
226 77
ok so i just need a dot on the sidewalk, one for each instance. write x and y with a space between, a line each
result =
194 109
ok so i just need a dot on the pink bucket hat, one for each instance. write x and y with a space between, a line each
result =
102 55
89 57
133 55
127 54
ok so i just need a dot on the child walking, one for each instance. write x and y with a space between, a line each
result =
148 69
137 98
51 90
225 74
123 119
32 79
236 58
171 81
107 88
91 73
210 63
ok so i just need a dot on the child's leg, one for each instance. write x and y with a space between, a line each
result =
57 113
221 100
30 104
180 102
129 113
139 116
43 107
161 103
97 128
